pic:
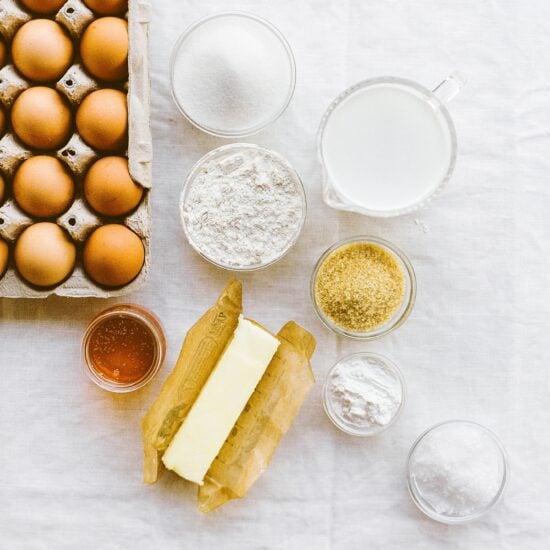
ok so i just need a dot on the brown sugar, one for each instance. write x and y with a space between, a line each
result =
359 286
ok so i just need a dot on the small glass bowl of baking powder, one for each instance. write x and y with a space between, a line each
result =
242 207
364 394
457 471
363 280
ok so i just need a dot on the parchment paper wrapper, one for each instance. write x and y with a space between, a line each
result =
200 352
266 417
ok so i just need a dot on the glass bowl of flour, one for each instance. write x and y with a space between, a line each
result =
242 207
232 74
457 471
364 394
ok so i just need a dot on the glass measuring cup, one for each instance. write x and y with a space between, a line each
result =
387 145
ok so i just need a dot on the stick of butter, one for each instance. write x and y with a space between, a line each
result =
221 401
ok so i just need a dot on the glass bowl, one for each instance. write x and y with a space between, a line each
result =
400 315
437 99
415 491
220 152
150 322
232 132
347 426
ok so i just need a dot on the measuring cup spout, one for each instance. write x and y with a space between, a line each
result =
448 89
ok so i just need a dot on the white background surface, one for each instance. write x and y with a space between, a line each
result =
476 345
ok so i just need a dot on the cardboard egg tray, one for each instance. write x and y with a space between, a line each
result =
79 221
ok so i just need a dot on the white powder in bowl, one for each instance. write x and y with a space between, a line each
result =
243 206
232 74
457 469
364 393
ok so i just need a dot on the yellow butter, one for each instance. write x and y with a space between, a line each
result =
221 401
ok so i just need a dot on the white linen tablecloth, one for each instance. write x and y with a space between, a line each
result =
476 345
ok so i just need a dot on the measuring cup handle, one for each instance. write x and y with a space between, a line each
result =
448 89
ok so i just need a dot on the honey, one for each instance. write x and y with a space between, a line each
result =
123 348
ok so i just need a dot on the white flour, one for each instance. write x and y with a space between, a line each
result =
457 469
244 208
365 392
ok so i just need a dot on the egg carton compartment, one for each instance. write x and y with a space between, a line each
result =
11 85
79 221
12 154
12 16
76 84
76 154
75 16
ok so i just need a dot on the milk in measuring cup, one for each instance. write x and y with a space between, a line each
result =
386 147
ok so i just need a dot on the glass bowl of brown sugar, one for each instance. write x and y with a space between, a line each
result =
363 287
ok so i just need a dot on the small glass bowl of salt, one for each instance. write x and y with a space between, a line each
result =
232 74
364 394
457 471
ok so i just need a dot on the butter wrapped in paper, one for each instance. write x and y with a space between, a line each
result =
266 417
201 349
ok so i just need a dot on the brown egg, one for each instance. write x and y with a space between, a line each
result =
41 118
42 187
108 7
3 53
44 6
113 255
102 120
2 189
4 256
41 50
44 254
2 122
104 48
109 188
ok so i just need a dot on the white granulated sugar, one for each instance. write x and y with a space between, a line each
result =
457 469
244 208
232 74
365 392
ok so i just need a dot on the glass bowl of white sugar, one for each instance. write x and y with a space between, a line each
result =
457 471
364 394
242 207
232 74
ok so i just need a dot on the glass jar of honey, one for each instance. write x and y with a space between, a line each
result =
123 348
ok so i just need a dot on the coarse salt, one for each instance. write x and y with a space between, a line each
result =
457 469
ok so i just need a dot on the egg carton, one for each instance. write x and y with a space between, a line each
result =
79 221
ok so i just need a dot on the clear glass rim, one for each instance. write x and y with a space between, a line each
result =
358 432
400 316
220 151
450 520
255 129
139 313
427 198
